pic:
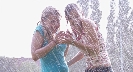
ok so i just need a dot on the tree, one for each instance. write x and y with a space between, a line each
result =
120 37
7 65
111 39
124 37
84 4
96 12
28 66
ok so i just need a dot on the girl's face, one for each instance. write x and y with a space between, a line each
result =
74 22
53 23
76 29
72 15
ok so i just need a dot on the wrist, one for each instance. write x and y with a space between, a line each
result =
55 41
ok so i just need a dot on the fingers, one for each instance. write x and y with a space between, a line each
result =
61 32
68 36
63 37
65 40
68 32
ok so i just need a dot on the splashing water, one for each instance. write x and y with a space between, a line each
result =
120 47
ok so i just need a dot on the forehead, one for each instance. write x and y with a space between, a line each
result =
54 17
72 14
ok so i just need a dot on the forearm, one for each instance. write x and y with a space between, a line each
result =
44 50
65 53
86 47
76 58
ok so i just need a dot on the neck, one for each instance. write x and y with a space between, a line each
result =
49 34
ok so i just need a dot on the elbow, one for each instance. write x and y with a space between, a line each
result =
34 57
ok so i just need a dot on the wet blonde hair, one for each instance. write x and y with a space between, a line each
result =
48 11
72 6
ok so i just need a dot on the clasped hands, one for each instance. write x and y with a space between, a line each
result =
62 37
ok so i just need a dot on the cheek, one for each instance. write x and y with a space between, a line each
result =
48 26
74 30
57 26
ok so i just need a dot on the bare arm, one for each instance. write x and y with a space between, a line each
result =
89 48
86 47
76 58
37 42
66 50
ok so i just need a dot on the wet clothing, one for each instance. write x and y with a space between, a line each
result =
54 61
99 69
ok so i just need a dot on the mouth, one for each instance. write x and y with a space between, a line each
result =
54 29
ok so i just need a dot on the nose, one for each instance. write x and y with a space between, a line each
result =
56 26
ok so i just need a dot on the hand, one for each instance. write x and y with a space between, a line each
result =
59 37
62 37
67 39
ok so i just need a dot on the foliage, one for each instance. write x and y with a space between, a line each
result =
18 65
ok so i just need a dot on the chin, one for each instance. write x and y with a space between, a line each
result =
54 31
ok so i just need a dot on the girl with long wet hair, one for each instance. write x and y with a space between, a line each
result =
86 37
45 42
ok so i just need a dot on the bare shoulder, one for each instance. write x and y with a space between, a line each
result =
37 40
37 35
88 22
